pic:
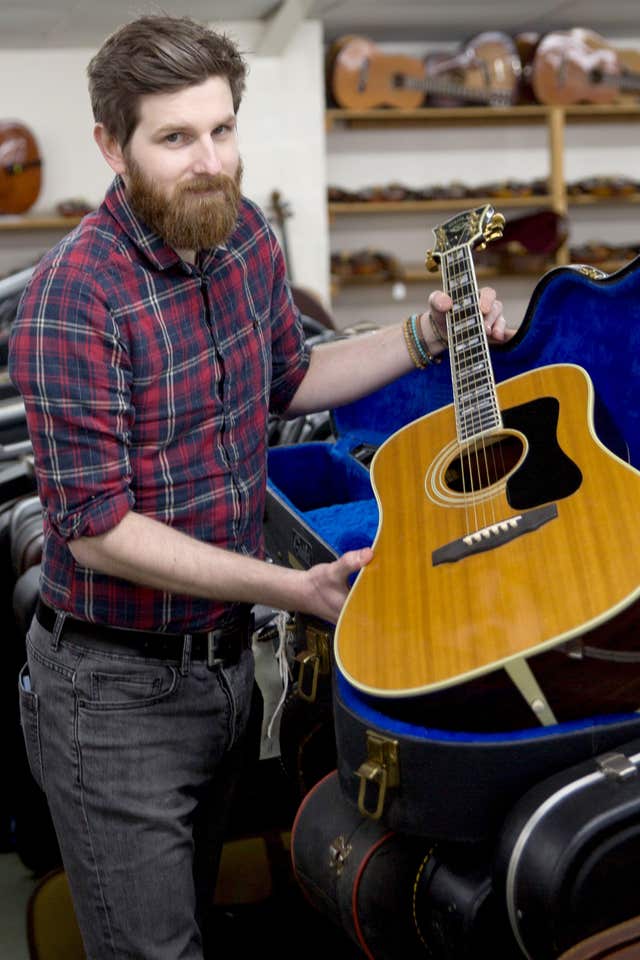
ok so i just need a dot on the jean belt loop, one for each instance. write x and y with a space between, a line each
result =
186 655
58 627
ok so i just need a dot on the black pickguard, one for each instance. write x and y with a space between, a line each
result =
547 473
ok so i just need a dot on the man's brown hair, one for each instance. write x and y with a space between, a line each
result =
157 54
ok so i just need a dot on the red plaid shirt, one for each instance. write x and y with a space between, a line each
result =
147 383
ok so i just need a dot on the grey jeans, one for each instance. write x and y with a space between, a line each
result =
138 758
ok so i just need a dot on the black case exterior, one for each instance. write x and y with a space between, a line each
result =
357 873
568 858
396 896
460 787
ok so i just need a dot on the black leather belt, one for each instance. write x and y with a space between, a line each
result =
219 647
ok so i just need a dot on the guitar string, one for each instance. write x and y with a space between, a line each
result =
452 332
483 452
472 361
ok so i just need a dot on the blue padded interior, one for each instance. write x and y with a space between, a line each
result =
369 710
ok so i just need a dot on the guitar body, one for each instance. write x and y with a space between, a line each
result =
485 70
362 77
410 626
575 66
20 174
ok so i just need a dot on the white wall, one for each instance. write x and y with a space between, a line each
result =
281 127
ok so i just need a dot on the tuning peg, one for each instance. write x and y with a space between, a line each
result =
482 245
430 263
494 227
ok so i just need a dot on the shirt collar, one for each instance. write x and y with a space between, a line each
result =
150 243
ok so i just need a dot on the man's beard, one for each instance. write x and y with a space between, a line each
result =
194 217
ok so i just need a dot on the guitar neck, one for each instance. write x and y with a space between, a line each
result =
474 391
629 81
457 91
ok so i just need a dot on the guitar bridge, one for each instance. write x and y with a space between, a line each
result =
494 535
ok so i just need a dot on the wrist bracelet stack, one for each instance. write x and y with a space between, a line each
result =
416 344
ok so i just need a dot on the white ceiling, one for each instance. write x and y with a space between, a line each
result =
76 23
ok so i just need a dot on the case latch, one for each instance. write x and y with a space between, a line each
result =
381 770
315 661
616 766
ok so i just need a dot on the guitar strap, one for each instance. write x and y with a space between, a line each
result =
522 677
579 650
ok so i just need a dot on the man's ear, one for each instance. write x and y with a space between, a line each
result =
109 148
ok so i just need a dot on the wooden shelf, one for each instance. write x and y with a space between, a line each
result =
337 208
422 116
415 274
40 222
554 119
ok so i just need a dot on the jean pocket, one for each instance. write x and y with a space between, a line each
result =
30 721
127 688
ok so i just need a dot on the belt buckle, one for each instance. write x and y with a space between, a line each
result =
212 638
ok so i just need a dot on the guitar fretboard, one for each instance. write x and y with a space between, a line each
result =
474 391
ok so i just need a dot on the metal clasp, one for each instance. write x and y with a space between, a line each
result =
317 657
382 769
339 851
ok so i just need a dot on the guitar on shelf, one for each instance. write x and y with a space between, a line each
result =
486 70
580 66
20 168
506 527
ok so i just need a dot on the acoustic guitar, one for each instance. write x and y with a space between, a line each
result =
580 66
506 526
20 168
486 70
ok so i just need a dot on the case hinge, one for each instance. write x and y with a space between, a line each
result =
314 660
379 773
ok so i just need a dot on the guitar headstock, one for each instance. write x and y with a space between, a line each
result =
473 228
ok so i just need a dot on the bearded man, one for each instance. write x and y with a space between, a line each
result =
150 347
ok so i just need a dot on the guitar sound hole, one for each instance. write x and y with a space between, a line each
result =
484 463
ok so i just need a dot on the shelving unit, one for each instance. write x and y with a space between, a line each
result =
40 222
557 198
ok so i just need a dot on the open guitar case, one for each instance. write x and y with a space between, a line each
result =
446 767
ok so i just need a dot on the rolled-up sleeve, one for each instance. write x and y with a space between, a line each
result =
69 363
289 353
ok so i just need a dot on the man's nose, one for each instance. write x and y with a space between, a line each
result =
206 157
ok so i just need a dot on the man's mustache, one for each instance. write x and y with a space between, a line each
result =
206 182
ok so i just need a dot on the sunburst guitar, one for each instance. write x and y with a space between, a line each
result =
506 526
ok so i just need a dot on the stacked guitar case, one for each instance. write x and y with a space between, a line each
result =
25 822
498 815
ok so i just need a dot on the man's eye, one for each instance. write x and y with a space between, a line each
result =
173 137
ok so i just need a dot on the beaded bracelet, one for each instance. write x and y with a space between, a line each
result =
416 344
411 349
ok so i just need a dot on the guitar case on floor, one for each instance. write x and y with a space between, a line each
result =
568 855
396 895
450 764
